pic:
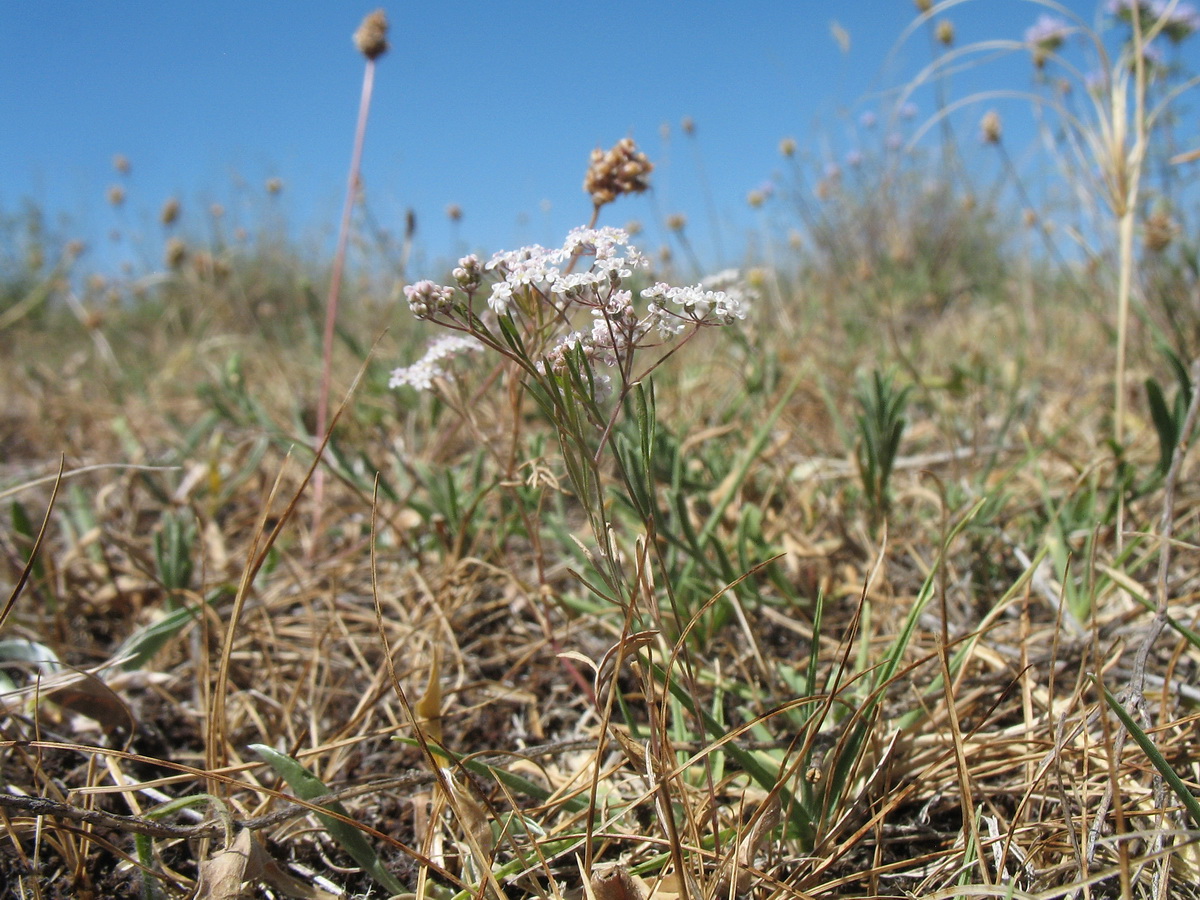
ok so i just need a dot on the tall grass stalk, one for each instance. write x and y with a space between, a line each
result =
1124 174
371 40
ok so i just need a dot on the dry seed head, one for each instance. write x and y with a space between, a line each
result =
676 222
633 227
202 264
274 185
175 253
454 212
170 212
121 164
945 32
116 195
93 319
990 127
217 211
688 126
923 5
1160 230
371 37
622 170
787 147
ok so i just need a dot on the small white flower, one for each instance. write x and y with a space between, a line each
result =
500 298
657 292
577 284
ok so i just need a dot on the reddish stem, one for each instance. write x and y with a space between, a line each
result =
335 286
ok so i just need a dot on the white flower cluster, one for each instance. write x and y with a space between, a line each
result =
534 275
695 304
420 374
539 269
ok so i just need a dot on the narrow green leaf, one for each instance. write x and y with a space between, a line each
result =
308 787
1186 797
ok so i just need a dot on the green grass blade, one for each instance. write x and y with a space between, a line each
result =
1186 797
308 787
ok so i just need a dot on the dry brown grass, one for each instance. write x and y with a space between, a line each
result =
339 632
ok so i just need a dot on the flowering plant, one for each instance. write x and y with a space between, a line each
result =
575 328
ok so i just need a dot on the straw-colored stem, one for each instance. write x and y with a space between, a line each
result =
1124 286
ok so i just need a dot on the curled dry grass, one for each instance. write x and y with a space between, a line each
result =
994 787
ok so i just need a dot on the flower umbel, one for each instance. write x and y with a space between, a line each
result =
541 294
420 374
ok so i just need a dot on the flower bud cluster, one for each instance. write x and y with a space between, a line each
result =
426 298
468 273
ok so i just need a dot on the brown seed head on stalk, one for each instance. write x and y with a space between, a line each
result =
371 37
622 170
989 127
175 253
1160 231
169 214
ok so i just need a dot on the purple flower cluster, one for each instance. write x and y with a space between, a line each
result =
1047 33
1178 22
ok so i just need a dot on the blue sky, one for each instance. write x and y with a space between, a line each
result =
493 106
